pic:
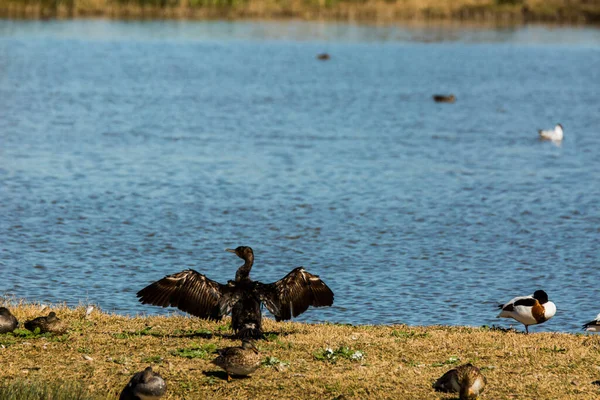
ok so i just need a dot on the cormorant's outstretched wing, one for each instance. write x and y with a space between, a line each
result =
291 295
192 292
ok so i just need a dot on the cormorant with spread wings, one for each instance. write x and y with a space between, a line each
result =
194 293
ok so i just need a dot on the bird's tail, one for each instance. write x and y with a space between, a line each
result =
250 331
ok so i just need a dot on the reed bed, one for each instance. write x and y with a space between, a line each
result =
383 11
100 353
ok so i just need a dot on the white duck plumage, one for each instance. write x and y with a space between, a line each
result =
529 310
593 325
555 135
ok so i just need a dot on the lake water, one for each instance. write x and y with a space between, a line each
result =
132 150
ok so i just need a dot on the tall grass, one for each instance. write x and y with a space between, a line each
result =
25 390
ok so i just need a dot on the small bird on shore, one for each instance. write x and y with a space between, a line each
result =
593 326
144 385
192 292
529 310
50 323
8 322
466 380
556 135
242 360
444 98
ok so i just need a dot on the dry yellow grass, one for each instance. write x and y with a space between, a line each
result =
398 362
381 11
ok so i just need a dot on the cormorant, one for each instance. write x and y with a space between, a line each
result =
194 293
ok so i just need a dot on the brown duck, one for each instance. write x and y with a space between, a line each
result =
8 322
192 292
144 385
50 323
242 360
466 380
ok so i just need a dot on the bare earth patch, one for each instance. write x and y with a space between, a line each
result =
101 352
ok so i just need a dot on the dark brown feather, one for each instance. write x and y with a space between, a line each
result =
528 302
192 292
294 293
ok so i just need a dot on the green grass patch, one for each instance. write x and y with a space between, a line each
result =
147 331
554 349
275 362
202 351
409 334
342 352
153 359
450 361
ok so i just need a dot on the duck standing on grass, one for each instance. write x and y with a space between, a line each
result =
529 310
242 360
51 323
144 385
593 326
194 293
466 380
8 322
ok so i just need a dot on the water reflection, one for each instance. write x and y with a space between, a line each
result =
302 31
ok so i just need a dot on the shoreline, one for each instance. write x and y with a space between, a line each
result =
101 352
514 12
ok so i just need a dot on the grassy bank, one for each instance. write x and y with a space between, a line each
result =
504 11
99 354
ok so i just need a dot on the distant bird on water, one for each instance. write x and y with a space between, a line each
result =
194 293
323 56
444 98
144 385
555 135
466 380
50 323
242 360
529 310
8 322
592 326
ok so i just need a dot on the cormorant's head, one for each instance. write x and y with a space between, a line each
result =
243 252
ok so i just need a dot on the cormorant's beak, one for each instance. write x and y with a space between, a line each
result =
230 250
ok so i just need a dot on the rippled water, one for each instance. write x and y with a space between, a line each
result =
129 151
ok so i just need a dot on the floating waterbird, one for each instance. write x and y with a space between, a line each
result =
8 322
466 380
592 326
323 57
144 385
555 135
194 293
529 310
444 98
242 360
51 323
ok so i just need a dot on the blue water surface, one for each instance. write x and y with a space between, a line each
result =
132 150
